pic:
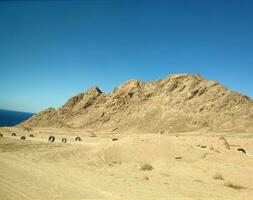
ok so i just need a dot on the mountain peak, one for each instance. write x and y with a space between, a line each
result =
94 90
128 86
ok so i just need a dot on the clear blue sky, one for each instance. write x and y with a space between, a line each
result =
50 51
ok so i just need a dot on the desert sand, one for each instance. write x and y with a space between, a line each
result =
192 165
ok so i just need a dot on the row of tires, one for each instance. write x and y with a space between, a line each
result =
14 134
64 140
50 138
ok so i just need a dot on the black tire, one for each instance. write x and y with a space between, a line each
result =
114 139
31 135
242 150
22 138
78 139
51 138
64 140
1 135
13 134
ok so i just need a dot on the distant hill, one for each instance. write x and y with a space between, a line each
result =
177 103
11 118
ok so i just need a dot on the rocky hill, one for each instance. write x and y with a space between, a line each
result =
176 103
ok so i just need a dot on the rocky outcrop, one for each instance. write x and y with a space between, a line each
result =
176 103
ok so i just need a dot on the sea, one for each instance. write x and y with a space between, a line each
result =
12 118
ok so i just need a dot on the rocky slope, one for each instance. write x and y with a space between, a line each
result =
176 103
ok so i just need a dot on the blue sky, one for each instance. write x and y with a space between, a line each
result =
50 51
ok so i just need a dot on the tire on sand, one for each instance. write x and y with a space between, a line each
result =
31 135
13 134
64 140
51 138
1 135
78 139
22 138
242 150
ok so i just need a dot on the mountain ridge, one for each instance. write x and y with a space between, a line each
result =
177 103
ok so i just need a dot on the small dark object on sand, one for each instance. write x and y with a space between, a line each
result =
114 139
13 134
22 138
64 140
51 138
242 150
78 139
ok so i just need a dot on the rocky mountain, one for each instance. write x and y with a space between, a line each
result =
176 103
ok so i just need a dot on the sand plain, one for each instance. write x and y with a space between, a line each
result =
192 165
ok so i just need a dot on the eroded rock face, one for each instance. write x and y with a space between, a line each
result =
176 103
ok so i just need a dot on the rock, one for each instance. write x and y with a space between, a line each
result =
224 142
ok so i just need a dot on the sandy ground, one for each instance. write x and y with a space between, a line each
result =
136 166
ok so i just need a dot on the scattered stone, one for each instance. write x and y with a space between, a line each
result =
224 142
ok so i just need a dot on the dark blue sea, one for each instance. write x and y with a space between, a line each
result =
11 118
